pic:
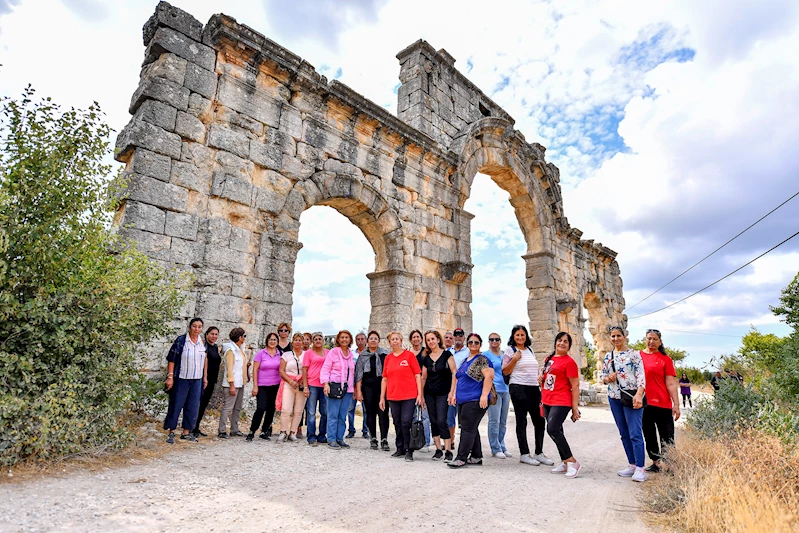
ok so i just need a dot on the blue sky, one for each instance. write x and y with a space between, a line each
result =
673 127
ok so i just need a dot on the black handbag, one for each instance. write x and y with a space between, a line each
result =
338 390
626 395
417 431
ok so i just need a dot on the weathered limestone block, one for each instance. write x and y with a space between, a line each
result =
172 17
248 100
243 240
231 187
230 260
295 169
248 288
144 217
200 107
191 177
150 244
291 121
185 252
139 134
150 164
199 80
227 115
181 225
189 127
227 139
162 90
158 114
267 155
168 40
154 192
169 67
214 281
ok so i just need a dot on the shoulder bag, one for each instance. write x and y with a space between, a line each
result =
418 440
338 390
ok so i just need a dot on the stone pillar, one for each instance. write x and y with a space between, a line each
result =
276 266
392 295
541 302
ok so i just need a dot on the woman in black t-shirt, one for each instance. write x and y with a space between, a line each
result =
214 361
438 380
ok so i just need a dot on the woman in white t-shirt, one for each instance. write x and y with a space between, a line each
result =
294 394
520 364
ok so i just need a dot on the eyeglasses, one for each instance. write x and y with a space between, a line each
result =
472 343
284 329
494 339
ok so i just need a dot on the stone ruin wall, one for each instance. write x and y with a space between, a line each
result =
233 137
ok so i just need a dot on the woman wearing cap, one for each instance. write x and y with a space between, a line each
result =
472 395
519 362
338 368
498 413
560 394
312 361
368 381
663 404
438 381
402 387
623 372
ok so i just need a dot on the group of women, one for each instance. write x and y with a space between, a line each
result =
300 377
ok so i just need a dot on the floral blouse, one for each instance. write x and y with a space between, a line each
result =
630 371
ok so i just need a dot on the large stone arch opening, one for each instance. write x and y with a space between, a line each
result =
233 137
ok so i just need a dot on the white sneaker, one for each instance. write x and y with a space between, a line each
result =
292 438
526 459
573 469
560 469
281 437
639 475
543 459
507 453
425 449
627 472
499 455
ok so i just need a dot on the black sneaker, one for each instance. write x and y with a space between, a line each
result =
350 434
170 439
409 457
373 444
197 433
448 456
264 436
188 437
322 440
398 453
653 468
438 455
343 444
250 436
366 435
236 434
222 435
473 461
384 445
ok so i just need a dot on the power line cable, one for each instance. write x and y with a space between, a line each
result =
716 250
701 333
718 280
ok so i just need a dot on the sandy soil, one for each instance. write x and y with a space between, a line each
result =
264 486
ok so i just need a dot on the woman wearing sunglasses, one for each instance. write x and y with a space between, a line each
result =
497 413
284 343
663 404
623 373
472 396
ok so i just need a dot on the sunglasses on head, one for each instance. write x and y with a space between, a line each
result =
611 328
655 331
471 343
494 339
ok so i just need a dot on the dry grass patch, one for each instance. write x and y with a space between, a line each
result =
746 484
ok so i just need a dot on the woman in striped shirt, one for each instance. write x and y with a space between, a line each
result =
186 377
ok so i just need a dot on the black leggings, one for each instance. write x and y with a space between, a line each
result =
684 397
657 421
556 415
371 405
437 409
265 408
402 413
526 400
470 414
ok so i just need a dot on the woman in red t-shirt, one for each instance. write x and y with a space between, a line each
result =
663 404
560 393
402 385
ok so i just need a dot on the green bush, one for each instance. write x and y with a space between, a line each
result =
75 302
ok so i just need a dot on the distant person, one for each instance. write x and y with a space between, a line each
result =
265 385
449 341
292 391
401 389
438 382
237 372
716 380
417 348
474 378
214 362
338 374
368 380
560 394
360 345
663 404
685 389
623 373
498 413
520 363
312 362
186 376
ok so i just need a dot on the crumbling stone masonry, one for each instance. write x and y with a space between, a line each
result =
233 137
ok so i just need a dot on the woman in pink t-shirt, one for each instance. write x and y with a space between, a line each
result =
338 378
312 362
266 382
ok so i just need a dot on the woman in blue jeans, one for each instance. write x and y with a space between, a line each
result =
497 413
338 368
623 372
312 361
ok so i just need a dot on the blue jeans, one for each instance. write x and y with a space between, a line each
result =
629 422
351 417
497 422
426 422
451 412
184 396
337 417
316 395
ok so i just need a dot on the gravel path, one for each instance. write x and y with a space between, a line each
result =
263 486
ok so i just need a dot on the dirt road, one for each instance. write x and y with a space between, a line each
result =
264 486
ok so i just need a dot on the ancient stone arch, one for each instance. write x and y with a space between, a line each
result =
233 137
